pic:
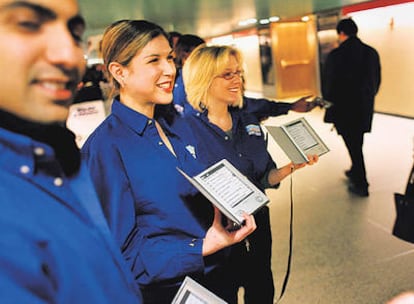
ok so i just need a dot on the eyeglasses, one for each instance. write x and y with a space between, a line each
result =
231 75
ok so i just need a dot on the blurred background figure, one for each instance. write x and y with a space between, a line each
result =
185 45
90 86
351 79
89 108
173 38
266 61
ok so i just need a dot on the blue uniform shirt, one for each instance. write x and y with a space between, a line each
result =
55 244
245 147
179 95
263 108
156 215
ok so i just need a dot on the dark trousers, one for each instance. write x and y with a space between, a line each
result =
354 140
220 281
251 267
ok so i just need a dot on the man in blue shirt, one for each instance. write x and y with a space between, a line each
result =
55 244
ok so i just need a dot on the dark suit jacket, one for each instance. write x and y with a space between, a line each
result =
350 80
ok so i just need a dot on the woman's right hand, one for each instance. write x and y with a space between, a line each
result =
218 237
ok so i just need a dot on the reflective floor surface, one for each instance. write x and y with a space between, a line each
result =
343 249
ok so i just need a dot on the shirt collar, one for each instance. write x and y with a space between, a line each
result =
135 120
20 153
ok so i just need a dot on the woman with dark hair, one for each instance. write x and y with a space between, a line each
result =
166 229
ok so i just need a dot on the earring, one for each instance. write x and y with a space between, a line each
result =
122 82
202 106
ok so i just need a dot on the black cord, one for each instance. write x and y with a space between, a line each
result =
285 281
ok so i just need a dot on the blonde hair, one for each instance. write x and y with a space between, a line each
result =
202 66
122 40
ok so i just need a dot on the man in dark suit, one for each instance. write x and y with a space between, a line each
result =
351 79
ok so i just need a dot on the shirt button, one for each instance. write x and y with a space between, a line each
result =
150 122
24 169
160 143
240 155
39 151
58 182
226 137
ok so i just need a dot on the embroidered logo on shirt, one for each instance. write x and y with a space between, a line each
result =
253 130
191 149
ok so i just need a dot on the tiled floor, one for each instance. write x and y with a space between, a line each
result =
343 249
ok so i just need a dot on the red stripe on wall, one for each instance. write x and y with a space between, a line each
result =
371 4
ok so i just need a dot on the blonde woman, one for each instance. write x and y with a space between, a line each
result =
213 82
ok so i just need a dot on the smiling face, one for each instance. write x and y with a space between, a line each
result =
41 58
227 87
149 77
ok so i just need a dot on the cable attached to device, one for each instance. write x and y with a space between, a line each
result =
289 262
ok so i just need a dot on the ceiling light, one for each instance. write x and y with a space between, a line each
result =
264 21
274 19
248 22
